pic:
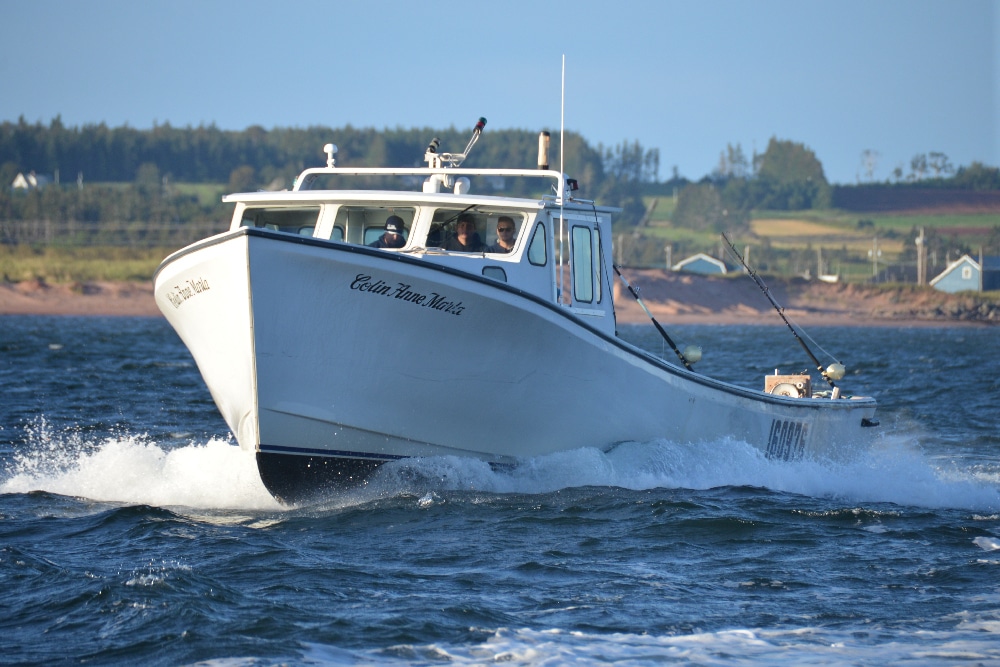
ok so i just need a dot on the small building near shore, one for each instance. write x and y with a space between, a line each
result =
701 263
966 275
30 181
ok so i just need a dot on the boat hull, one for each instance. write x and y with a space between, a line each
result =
327 360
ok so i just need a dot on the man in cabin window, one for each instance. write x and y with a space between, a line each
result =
466 238
505 235
393 236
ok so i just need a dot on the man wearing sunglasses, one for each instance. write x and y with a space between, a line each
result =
505 235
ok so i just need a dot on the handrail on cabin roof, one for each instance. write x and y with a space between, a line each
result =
308 176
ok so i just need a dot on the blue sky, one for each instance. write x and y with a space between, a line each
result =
899 77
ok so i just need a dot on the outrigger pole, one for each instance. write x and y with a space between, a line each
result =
635 293
780 311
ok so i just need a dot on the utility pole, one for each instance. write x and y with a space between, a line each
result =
980 269
875 253
921 258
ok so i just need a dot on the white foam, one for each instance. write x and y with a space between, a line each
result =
895 472
131 469
217 474
987 543
795 646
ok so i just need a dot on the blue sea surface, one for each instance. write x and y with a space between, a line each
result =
133 530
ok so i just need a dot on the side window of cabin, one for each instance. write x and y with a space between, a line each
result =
537 253
583 263
299 221
364 225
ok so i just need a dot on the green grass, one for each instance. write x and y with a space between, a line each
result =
68 265
208 194
904 223
664 209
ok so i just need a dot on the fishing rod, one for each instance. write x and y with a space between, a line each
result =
834 371
691 352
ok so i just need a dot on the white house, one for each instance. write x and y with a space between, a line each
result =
30 181
700 263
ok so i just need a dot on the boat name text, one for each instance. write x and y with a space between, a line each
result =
787 440
190 288
405 292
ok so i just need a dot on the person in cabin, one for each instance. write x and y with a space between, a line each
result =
393 235
466 238
505 235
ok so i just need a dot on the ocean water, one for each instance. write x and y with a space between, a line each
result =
134 531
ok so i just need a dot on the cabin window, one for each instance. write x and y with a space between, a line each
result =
474 230
502 231
444 232
364 225
495 272
299 221
537 253
583 263
966 273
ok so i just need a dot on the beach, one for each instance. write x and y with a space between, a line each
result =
35 297
685 298
671 297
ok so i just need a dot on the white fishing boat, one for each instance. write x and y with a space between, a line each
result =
339 329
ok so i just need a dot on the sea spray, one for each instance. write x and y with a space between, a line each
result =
132 469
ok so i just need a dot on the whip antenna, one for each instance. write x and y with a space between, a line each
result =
561 193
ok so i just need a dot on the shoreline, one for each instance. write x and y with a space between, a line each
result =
99 299
672 298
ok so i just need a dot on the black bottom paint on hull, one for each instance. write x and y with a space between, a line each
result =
292 479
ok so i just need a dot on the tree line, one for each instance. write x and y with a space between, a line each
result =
122 173
119 174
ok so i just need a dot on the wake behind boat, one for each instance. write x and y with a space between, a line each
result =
338 329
